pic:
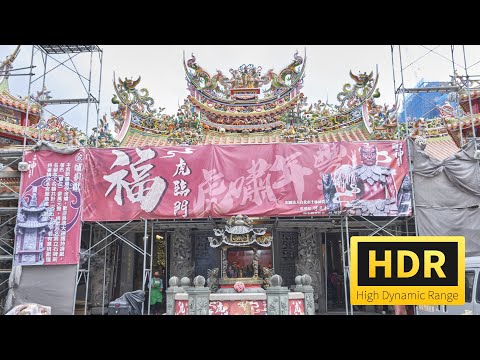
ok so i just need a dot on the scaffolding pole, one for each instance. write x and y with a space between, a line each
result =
89 97
457 103
145 239
394 91
472 119
43 87
126 241
88 271
28 107
325 270
344 268
104 273
348 258
408 143
150 272
99 92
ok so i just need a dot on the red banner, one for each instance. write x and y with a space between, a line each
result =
237 307
48 221
311 179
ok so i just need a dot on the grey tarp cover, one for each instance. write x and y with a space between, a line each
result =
52 285
447 195
135 299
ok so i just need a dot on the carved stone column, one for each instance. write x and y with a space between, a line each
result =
181 263
98 295
198 297
307 290
310 261
171 291
277 297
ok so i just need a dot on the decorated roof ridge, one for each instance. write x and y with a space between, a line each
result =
148 133
137 138
5 68
253 112
474 94
138 101
466 85
459 128
245 82
102 136
6 98
351 98
465 121
53 130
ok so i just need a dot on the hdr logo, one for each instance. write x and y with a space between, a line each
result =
407 270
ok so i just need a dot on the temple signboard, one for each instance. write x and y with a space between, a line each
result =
49 211
309 179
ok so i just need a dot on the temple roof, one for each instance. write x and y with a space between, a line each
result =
246 85
6 98
56 134
205 117
354 132
441 147
9 182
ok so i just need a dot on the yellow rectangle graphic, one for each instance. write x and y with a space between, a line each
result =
412 247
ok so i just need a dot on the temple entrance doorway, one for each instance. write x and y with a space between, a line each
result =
335 272
131 264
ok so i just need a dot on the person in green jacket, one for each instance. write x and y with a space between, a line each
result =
156 293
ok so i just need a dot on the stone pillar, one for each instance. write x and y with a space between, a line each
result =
310 261
298 283
181 263
185 283
198 297
277 297
127 265
98 295
172 289
308 291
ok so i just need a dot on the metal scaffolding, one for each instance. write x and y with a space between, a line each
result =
84 78
83 72
83 63
112 230
461 81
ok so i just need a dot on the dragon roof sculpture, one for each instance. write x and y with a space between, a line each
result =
245 81
6 65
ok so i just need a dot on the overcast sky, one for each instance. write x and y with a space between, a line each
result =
161 69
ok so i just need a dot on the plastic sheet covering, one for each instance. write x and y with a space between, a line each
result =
53 286
447 195
30 309
13 282
135 299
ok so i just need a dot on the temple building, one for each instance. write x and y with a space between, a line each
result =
246 106
254 107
